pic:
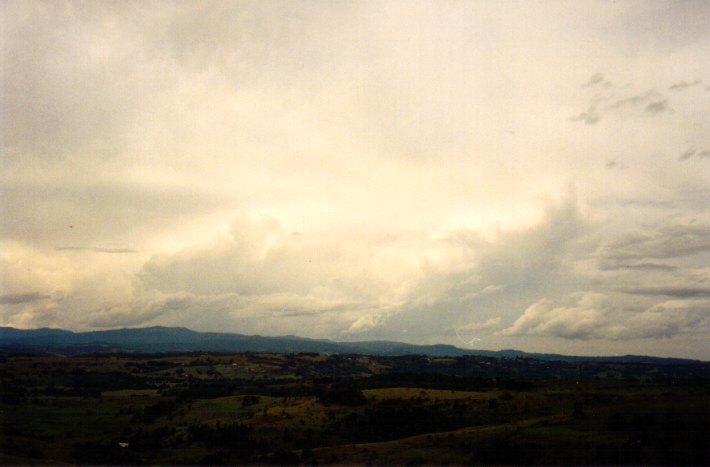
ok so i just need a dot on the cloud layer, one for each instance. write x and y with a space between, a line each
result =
595 316
488 174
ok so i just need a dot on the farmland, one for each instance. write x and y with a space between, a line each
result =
307 408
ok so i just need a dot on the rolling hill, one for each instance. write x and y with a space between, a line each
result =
160 339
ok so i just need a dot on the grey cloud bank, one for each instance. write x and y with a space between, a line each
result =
15 299
489 174
592 316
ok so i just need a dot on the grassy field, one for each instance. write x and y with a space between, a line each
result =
270 408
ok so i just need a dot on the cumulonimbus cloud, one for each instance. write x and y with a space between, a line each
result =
584 316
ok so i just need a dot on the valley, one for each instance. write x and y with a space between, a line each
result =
309 408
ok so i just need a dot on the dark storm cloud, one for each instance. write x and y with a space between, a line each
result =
16 299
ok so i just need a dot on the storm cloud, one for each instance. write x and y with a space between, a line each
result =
587 316
15 299
421 171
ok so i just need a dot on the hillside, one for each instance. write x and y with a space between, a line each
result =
175 339
314 409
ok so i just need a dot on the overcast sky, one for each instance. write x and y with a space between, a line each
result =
487 174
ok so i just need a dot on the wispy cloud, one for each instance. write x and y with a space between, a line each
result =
491 289
634 101
477 326
681 291
590 117
694 153
671 241
95 249
614 164
682 85
609 102
658 107
637 266
597 79
16 299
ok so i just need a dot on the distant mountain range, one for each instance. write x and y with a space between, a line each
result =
160 339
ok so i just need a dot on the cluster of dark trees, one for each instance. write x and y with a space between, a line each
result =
386 422
235 436
75 383
442 381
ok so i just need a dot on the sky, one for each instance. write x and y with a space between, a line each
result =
487 174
